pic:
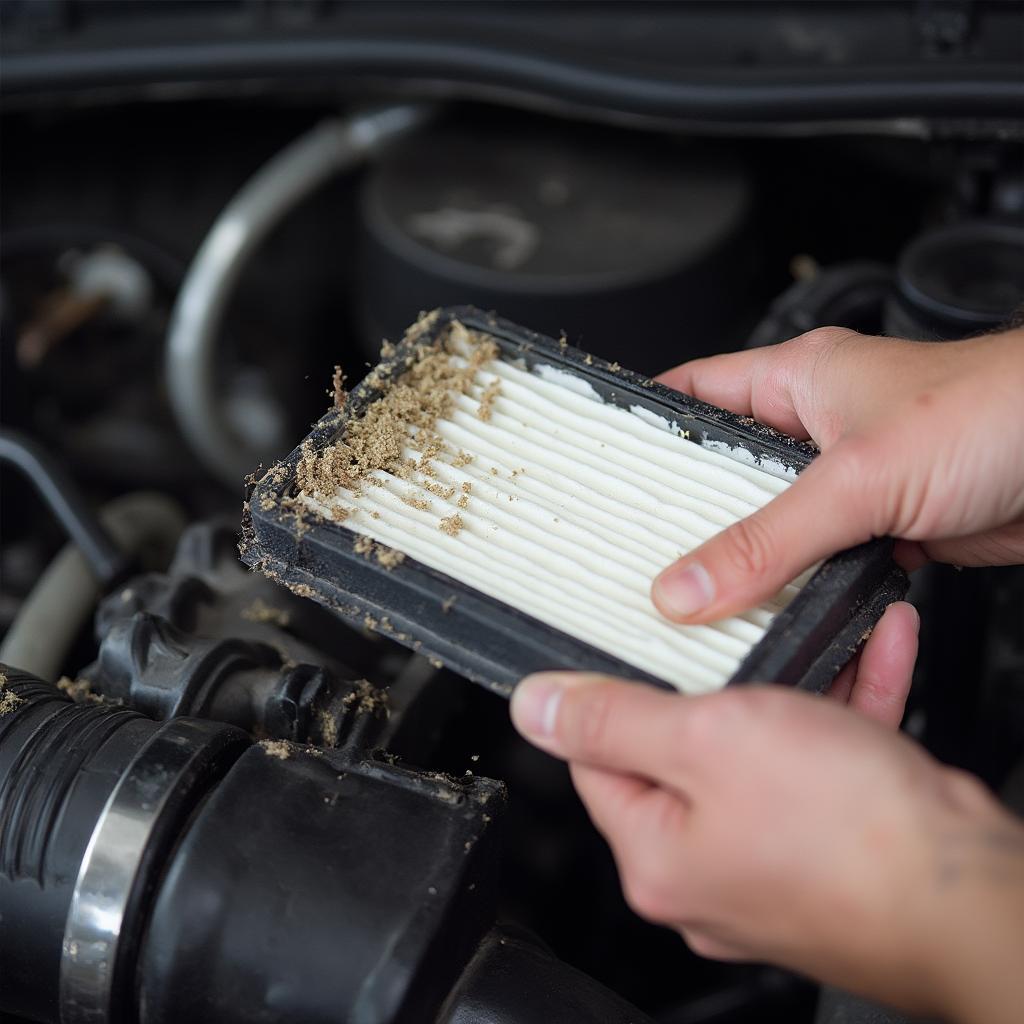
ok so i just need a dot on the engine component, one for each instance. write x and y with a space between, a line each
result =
635 243
266 199
847 295
144 525
814 67
91 797
958 280
104 278
175 872
88 304
61 494
165 673
208 639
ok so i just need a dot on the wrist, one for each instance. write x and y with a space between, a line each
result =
976 924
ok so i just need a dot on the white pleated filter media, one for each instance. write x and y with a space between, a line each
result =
567 510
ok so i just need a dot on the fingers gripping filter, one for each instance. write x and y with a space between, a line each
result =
501 502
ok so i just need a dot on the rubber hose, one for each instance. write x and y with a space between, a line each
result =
66 593
249 217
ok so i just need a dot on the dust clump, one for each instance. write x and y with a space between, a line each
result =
383 555
339 393
487 400
328 729
9 700
79 690
452 525
365 698
407 410
388 557
260 611
277 748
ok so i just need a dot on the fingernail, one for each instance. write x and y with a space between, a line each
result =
685 590
914 616
535 704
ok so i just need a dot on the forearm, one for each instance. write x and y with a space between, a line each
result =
980 888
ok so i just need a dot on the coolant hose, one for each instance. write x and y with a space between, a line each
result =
263 202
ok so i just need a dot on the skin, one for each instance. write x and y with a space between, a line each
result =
766 824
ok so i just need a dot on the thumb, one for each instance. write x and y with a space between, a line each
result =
828 508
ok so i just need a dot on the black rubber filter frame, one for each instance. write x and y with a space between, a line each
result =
495 644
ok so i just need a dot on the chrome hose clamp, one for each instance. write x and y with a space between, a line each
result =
140 818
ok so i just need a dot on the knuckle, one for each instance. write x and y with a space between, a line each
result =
715 719
853 467
751 547
821 339
643 898
698 727
651 882
589 719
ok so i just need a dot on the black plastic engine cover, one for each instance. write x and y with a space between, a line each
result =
312 888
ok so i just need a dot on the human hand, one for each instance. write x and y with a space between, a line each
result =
766 824
876 681
919 440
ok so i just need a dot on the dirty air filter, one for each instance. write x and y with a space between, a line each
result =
501 502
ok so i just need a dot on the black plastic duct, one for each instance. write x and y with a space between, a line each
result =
153 873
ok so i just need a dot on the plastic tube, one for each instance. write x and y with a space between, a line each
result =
64 499
66 593
261 205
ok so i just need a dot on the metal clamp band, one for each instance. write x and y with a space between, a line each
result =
139 818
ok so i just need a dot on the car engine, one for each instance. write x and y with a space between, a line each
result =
219 802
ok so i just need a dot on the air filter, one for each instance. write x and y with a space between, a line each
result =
501 502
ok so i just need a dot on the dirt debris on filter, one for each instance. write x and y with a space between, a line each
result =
388 557
260 611
451 524
411 403
444 493
381 553
463 501
280 749
486 406
339 393
9 700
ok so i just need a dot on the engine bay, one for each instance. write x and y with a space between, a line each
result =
211 221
